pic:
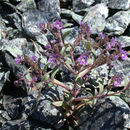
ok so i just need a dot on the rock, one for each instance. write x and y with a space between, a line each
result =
4 76
126 96
15 20
2 28
12 106
70 34
121 67
117 24
22 124
75 16
4 72
31 20
117 4
29 103
125 41
52 6
81 4
26 5
102 72
4 116
65 0
108 114
45 112
14 47
96 18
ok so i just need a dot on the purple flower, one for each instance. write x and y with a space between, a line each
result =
34 79
116 57
53 41
88 30
58 24
108 45
113 42
82 59
82 23
16 82
52 58
47 46
33 58
18 59
102 36
123 55
118 79
116 82
40 26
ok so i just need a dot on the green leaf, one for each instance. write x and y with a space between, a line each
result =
50 84
68 61
46 76
66 34
82 73
88 46
68 48
79 81
101 87
67 25
55 70
58 82
94 53
57 103
62 50
90 61
40 84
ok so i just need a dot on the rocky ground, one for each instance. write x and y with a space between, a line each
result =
19 107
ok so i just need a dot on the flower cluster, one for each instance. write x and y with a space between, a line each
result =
117 79
52 58
18 59
64 58
58 25
82 59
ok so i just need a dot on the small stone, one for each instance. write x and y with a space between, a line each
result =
125 41
81 4
117 24
95 18
26 5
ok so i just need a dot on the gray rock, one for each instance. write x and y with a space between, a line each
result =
121 67
125 41
2 27
96 18
15 20
14 47
81 4
102 72
4 76
4 116
12 106
65 0
52 6
117 24
22 124
126 96
117 4
45 111
70 34
75 16
26 5
29 104
31 20
109 114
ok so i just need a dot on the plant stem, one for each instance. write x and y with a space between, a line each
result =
98 96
